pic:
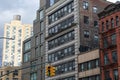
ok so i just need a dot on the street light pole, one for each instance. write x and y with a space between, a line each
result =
6 38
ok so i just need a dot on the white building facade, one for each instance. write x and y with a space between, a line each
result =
12 49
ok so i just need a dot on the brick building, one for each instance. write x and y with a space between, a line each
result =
109 42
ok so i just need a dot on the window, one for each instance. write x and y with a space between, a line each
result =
36 52
27 45
86 20
115 73
102 26
33 66
106 59
65 67
86 34
105 42
85 5
36 40
61 54
107 25
107 75
61 40
41 38
96 38
61 26
117 20
52 2
88 65
33 76
112 23
114 56
95 23
41 14
113 39
41 26
26 57
61 12
95 9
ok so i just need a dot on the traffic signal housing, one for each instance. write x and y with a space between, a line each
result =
50 71
47 70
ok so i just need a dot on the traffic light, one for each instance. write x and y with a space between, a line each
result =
47 70
50 71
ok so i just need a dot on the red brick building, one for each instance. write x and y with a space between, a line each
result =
110 42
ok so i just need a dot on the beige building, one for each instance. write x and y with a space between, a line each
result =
88 64
7 74
12 49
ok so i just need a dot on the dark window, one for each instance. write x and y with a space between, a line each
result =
117 20
95 23
33 66
67 9
26 57
105 42
61 26
86 34
113 39
61 40
107 75
33 76
114 56
41 26
37 52
115 73
102 26
61 54
112 23
86 19
65 67
88 65
106 59
85 5
107 25
36 40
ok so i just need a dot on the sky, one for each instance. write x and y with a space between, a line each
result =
25 8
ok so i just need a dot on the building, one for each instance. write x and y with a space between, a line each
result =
109 42
62 30
7 74
71 29
12 49
89 67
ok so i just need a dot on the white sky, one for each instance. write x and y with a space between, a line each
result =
113 0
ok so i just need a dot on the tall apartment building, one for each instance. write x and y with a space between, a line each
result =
12 49
62 30
109 42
